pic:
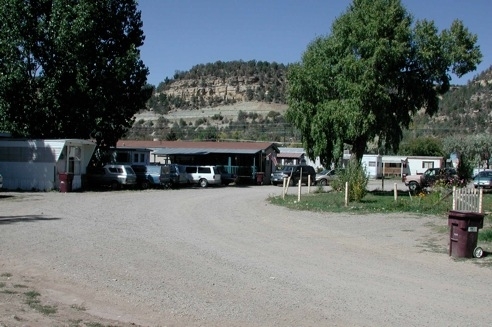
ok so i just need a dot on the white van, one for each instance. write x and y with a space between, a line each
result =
203 175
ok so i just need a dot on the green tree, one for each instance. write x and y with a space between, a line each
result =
476 148
365 81
71 68
422 146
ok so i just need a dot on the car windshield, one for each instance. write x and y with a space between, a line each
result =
288 168
324 172
485 174
129 170
154 169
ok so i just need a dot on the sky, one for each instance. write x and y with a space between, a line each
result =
180 34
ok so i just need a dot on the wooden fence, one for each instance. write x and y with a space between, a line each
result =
468 199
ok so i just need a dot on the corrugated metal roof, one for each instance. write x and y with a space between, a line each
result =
198 148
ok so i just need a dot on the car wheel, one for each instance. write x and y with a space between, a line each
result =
413 186
203 182
292 182
144 185
323 182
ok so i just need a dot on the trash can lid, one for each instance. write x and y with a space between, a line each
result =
465 214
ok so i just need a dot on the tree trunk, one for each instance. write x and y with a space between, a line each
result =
358 148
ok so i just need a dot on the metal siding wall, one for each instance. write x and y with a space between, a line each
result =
28 176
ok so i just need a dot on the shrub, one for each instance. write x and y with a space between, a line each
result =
356 176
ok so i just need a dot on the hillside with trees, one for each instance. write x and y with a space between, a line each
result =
221 83
237 116
463 110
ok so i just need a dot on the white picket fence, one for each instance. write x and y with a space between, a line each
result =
468 199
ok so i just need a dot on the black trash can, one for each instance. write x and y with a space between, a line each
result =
463 232
65 182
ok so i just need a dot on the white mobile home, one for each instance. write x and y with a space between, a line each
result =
36 165
419 164
372 164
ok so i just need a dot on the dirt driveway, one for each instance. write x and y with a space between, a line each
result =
226 257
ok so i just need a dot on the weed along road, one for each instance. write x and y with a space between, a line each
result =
224 256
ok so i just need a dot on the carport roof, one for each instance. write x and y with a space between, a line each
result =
290 155
198 148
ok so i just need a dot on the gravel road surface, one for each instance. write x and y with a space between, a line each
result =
224 256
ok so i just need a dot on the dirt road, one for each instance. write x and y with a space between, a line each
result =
226 257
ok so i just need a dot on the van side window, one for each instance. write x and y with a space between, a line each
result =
191 169
204 170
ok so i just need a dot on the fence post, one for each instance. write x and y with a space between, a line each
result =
454 197
346 193
480 201
395 192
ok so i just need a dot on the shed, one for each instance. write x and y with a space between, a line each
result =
35 165
244 159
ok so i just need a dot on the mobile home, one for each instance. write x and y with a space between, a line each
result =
36 165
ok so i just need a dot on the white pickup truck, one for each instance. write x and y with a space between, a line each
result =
428 178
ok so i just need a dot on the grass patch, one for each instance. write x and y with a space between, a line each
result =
20 286
6 275
485 235
7 291
94 324
78 307
32 299
425 203
74 322
2 284
373 202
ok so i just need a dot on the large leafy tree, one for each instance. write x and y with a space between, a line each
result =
477 148
422 146
71 68
365 81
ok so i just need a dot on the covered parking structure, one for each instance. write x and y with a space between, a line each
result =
245 159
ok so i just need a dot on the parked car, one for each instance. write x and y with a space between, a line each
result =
147 175
326 176
114 176
294 172
483 179
429 178
154 175
173 175
226 177
1 181
141 173
204 175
